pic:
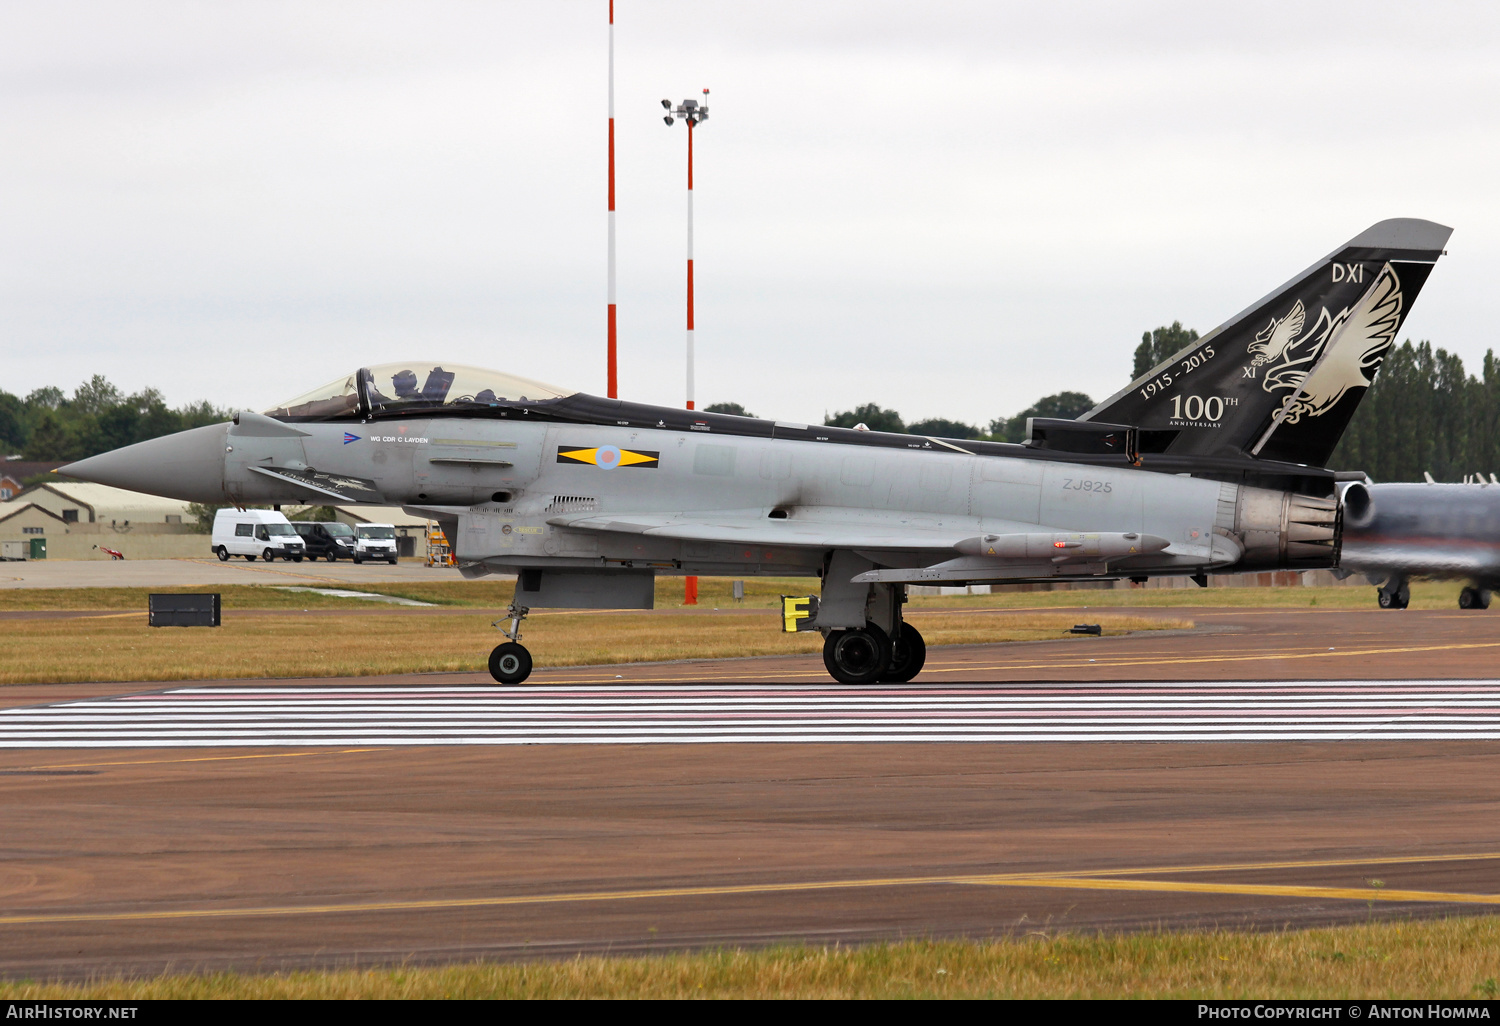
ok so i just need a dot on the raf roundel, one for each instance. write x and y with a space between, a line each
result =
608 457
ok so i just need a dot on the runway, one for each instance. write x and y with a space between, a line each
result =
1283 768
1356 710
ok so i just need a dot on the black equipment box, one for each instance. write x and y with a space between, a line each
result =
185 610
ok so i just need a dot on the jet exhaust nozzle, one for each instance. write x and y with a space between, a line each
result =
1287 531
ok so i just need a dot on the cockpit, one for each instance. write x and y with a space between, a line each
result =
407 389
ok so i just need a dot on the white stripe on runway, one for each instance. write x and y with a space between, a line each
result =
646 714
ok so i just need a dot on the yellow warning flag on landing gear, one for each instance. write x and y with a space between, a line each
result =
798 613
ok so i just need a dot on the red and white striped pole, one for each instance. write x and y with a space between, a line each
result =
690 267
611 374
690 584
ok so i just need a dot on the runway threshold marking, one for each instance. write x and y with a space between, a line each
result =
206 758
1107 880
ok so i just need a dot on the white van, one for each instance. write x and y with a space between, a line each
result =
256 532
375 541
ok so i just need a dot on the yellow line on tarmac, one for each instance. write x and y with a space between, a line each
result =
1255 890
1260 655
1257 656
1083 880
1232 867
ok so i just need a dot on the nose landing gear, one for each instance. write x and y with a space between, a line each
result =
510 662
1393 594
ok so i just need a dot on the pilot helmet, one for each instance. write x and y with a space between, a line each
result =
405 384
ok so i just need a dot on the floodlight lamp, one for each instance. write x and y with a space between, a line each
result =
667 104
668 120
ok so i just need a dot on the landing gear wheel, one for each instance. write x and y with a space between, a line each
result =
1474 598
510 663
858 656
908 653
222 553
1398 599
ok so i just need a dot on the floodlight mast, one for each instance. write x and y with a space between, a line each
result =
692 112
611 373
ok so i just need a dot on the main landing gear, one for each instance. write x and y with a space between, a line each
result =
868 655
510 663
1474 598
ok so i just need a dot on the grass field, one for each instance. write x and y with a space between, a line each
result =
297 634
1449 958
119 646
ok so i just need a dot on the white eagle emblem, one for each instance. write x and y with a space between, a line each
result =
1341 352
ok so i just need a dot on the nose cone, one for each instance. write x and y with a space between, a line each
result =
188 465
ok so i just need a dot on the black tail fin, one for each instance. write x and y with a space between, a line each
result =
1282 379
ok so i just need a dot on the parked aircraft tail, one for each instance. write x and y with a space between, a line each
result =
1281 379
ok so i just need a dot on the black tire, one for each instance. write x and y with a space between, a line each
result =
296 559
510 663
331 558
908 654
249 559
1484 599
1474 598
859 656
356 560
222 553
1398 599
392 562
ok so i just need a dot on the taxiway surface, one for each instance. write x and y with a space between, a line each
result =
367 847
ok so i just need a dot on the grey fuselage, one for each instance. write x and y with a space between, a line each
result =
716 495
1444 531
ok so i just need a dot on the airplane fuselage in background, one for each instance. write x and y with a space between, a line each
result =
1395 532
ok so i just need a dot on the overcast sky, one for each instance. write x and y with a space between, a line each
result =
949 208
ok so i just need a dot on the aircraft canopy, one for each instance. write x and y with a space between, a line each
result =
415 388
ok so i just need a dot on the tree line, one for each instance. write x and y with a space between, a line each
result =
1424 413
1067 405
97 417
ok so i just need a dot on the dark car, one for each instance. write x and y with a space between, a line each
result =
328 539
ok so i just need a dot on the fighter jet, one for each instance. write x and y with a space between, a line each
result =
1394 532
1211 463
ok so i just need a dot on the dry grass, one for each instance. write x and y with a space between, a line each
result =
375 641
1452 958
